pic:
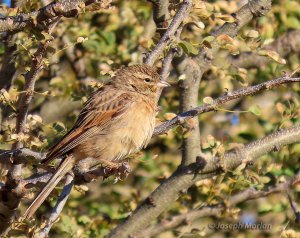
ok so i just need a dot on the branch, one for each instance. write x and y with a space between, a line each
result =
64 8
215 210
160 12
27 94
251 90
194 67
294 208
254 8
15 172
284 45
20 155
54 215
169 190
38 179
181 14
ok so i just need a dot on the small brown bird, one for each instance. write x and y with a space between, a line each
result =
117 120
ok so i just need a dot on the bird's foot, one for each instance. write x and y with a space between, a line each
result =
122 171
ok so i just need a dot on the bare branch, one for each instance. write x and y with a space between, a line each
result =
284 45
6 155
215 210
184 177
15 172
54 215
26 95
294 208
160 12
55 9
19 155
181 14
254 8
251 90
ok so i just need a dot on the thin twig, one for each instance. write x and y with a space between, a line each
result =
229 96
184 177
214 210
167 37
167 125
290 40
62 199
64 8
294 208
27 94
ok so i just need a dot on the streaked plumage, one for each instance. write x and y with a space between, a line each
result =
117 120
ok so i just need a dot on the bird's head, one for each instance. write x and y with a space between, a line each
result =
139 78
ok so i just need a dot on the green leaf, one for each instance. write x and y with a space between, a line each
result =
188 48
59 127
84 220
208 100
255 109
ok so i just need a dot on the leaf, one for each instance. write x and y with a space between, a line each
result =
227 18
273 55
59 127
188 48
182 77
84 220
208 100
47 36
280 107
208 38
200 24
81 39
264 179
169 115
37 118
13 11
224 39
4 94
252 34
255 109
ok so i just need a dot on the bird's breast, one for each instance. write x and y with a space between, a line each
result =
140 126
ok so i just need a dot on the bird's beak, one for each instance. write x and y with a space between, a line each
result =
163 84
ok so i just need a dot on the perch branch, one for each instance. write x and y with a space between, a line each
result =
186 176
5 155
215 210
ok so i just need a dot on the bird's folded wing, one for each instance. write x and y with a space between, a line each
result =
99 111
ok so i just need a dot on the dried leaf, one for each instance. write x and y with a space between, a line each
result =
273 55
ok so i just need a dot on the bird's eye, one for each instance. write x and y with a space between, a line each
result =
147 80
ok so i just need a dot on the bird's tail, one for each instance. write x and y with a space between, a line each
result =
65 166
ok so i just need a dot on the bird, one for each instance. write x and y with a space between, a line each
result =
116 121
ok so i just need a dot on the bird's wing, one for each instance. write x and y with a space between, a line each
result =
101 109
